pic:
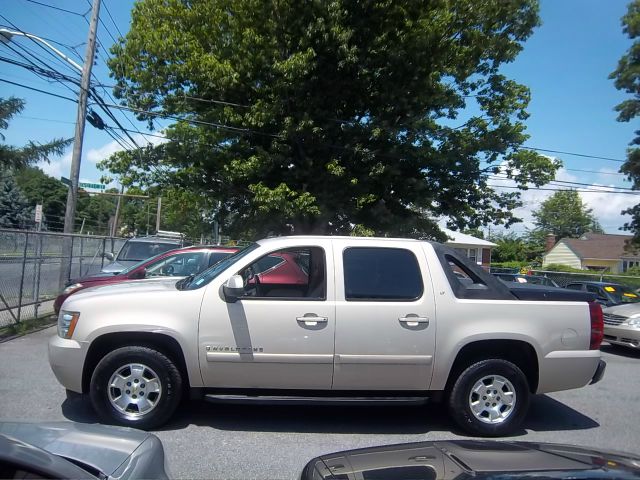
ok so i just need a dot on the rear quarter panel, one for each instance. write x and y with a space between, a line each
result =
559 332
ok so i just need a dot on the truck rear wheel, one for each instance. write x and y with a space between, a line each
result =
490 398
136 387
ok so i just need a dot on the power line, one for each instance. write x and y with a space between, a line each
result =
45 119
56 8
594 171
111 17
504 177
563 189
197 122
573 154
38 90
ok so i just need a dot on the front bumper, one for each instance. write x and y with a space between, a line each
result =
66 358
622 335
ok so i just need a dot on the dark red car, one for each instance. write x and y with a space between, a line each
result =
179 262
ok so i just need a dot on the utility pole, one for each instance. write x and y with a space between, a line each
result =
158 216
114 227
72 197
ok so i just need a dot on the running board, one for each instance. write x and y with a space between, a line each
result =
296 400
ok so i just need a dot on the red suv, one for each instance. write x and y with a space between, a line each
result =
179 262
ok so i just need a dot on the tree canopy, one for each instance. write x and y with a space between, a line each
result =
627 79
15 157
564 214
332 117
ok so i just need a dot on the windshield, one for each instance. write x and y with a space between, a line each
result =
622 294
212 272
136 251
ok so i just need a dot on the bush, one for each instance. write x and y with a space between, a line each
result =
557 267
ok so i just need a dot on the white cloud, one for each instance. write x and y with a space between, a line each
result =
95 155
57 168
607 207
62 166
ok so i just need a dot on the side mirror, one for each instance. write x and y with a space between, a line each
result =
233 288
109 256
138 274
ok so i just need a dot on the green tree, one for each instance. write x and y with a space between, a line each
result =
510 248
40 188
627 79
96 210
318 116
16 157
15 211
565 215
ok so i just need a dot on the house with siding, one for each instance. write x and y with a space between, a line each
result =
475 249
593 251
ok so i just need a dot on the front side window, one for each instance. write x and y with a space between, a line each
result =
293 273
381 274
178 265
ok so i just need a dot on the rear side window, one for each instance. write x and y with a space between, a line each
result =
381 274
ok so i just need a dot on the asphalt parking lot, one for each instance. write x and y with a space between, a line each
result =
267 442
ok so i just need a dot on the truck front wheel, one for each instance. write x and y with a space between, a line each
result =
136 387
490 398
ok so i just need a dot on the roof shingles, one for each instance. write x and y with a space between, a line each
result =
600 246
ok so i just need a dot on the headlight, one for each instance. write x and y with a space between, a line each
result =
67 323
634 322
71 288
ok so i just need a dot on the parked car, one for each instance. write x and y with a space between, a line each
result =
76 450
622 325
520 278
473 459
364 319
179 262
137 249
607 294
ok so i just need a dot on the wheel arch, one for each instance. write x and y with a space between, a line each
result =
518 352
108 342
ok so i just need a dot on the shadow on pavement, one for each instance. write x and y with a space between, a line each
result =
620 351
78 409
545 414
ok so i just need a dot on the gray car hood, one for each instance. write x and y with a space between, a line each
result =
626 310
103 447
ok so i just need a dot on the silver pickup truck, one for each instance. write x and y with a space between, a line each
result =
334 319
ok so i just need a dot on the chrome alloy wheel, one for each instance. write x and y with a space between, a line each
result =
134 389
492 399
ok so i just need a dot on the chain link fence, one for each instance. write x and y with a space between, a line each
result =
30 265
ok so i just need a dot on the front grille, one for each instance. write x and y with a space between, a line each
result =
611 319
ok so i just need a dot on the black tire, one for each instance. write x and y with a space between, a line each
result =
164 403
460 399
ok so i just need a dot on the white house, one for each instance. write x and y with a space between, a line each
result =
476 249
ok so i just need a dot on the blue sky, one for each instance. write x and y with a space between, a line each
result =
565 63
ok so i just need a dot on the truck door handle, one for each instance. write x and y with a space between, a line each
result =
311 319
413 320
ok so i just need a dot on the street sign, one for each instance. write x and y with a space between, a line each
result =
94 186
38 213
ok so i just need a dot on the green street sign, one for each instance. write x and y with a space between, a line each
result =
94 186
